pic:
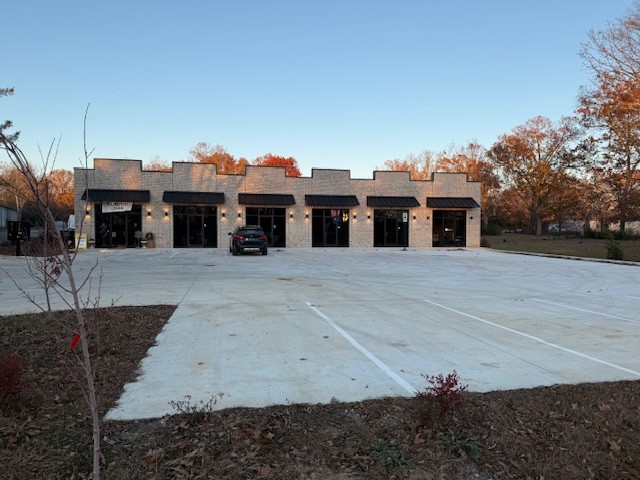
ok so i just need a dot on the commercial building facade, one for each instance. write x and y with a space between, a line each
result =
120 205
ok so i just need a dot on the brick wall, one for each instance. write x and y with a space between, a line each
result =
196 177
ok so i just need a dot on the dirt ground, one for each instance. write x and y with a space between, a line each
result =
564 432
563 245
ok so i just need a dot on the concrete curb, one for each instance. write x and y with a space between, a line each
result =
569 257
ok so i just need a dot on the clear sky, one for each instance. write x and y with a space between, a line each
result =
334 83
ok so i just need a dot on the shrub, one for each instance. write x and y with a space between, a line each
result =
441 399
491 229
614 252
11 382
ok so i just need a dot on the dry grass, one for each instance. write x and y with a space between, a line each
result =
559 245
560 432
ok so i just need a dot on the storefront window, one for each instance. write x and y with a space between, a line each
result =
330 227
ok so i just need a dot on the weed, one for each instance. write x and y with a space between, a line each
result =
187 407
441 399
12 382
389 453
462 442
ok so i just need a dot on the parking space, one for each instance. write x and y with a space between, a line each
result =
312 325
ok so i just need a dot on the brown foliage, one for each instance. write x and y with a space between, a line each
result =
472 159
61 188
420 167
533 159
611 109
12 382
290 163
561 432
225 163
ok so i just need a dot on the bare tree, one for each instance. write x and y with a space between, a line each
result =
420 166
39 188
610 109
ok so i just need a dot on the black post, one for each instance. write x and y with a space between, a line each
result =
406 236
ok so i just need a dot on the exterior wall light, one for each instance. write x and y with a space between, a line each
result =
306 216
470 218
291 215
355 216
368 217
224 215
148 213
166 214
239 215
88 212
414 217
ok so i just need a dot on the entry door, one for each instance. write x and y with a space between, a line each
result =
389 229
330 227
449 228
195 226
272 221
117 229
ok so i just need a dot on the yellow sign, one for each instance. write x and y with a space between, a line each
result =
81 241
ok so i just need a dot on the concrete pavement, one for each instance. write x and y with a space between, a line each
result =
312 325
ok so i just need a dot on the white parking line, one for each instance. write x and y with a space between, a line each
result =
174 255
585 310
537 339
393 375
631 296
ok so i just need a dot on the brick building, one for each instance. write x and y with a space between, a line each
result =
193 206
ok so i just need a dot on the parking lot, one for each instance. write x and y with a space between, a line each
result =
313 325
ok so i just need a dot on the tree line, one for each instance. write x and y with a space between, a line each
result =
227 164
584 166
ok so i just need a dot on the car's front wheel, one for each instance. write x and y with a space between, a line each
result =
264 252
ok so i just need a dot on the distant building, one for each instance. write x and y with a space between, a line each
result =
6 215
193 206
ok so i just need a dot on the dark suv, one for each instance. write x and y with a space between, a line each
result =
250 237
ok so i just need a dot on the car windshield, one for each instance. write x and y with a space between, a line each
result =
249 231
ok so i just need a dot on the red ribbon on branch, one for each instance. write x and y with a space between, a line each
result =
74 342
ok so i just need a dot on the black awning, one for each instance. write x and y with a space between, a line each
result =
392 202
98 195
194 198
271 199
451 202
331 200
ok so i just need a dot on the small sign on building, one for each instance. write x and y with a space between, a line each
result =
113 207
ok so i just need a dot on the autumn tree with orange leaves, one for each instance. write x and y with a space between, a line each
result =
225 163
533 160
61 190
472 159
270 160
